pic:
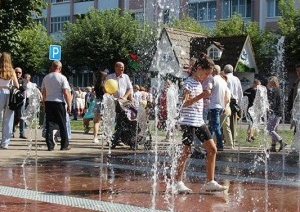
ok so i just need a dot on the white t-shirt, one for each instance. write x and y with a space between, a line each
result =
54 83
124 84
218 92
235 87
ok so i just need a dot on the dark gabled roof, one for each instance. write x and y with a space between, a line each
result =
232 48
180 41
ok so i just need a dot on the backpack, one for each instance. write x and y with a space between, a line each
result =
16 98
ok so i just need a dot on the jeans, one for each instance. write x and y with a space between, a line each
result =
18 120
215 126
206 115
272 126
8 117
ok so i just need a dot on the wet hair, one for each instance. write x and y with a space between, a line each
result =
204 62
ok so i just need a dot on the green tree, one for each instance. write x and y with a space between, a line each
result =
100 38
263 42
230 27
32 54
289 24
189 24
15 15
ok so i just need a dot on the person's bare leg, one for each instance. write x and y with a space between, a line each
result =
86 123
181 162
97 118
211 150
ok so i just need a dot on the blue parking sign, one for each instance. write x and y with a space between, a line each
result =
55 52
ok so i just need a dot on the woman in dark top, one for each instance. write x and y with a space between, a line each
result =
99 91
274 113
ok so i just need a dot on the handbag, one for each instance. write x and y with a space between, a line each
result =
235 108
16 98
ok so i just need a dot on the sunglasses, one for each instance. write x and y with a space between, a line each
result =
18 72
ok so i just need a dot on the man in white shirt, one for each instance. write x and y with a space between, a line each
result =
124 93
125 89
235 87
217 105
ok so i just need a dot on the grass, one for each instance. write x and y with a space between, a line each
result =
261 137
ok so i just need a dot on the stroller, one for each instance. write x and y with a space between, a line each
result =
127 127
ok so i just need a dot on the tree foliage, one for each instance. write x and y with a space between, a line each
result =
99 39
289 24
15 15
230 27
188 24
263 42
32 54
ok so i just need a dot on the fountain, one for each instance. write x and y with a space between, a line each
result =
121 183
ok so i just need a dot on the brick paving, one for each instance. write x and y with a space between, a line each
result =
85 179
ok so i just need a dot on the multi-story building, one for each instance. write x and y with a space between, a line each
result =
206 12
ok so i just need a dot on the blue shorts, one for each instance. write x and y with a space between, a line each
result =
189 132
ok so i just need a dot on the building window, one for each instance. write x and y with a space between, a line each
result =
81 0
231 7
166 16
273 8
203 11
214 53
57 23
43 21
59 1
138 17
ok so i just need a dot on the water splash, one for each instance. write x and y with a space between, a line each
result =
29 116
258 112
295 146
33 108
108 122
259 107
142 121
173 112
109 116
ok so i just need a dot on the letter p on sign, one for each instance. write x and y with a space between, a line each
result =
55 52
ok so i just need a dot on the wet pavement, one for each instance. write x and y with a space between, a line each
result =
90 177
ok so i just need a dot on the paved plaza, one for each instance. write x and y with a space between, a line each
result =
90 177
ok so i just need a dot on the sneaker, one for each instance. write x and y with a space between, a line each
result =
282 145
120 144
5 146
86 130
214 186
180 188
272 149
95 140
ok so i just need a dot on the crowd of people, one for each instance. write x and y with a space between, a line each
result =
211 99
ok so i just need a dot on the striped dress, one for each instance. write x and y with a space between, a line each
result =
193 114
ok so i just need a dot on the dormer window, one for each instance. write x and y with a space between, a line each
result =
214 52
